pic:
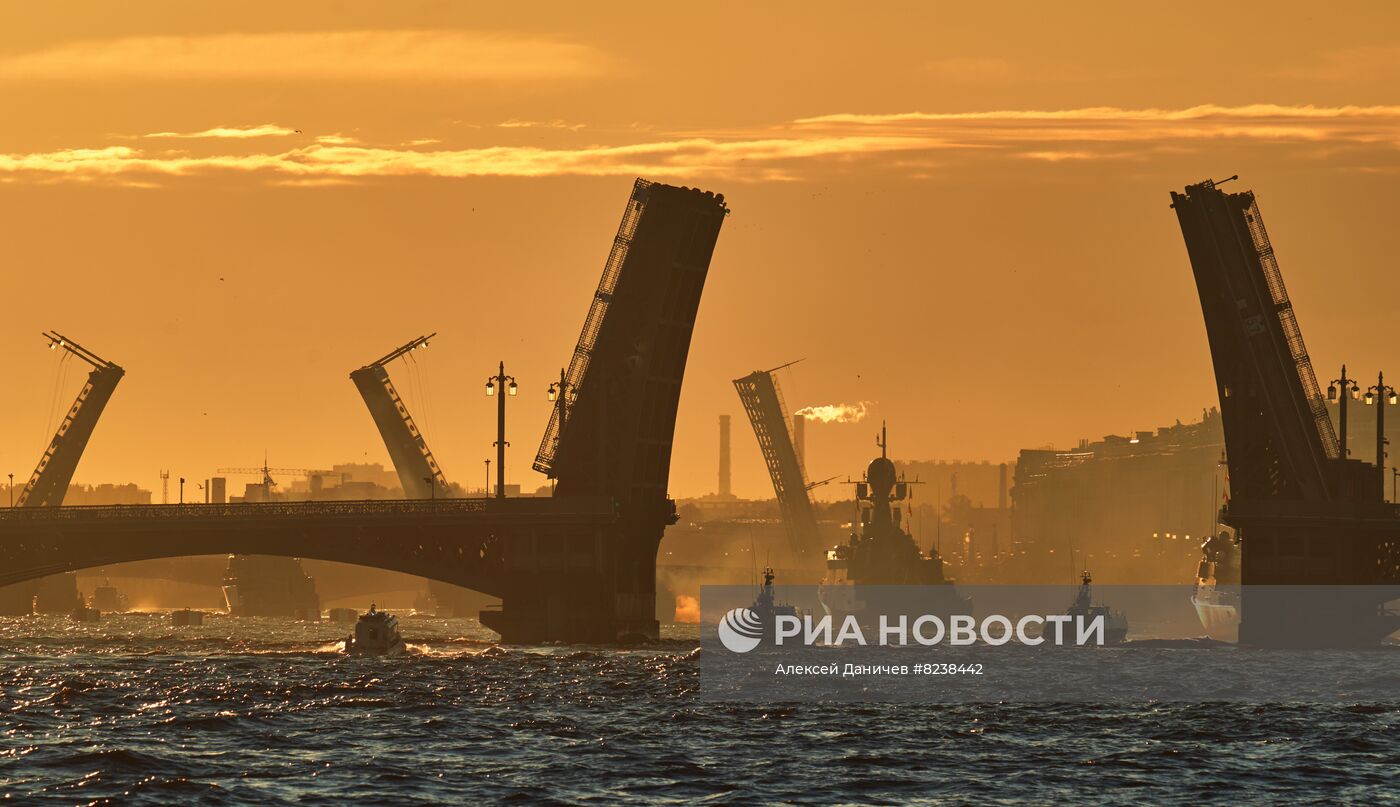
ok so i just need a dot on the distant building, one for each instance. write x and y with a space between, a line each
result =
1135 507
982 482
105 494
719 507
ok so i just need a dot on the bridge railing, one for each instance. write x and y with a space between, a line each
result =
312 509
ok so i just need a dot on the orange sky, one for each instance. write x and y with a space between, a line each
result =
957 215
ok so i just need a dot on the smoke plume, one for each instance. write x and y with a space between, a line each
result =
687 610
835 413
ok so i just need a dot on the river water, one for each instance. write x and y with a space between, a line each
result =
135 711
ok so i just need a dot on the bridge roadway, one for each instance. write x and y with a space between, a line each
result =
489 545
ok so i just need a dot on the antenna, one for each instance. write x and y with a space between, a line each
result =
403 350
785 366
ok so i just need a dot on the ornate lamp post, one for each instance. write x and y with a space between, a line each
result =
1348 389
1381 396
560 393
506 386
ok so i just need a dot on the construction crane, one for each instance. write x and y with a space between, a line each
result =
266 473
763 401
418 469
49 482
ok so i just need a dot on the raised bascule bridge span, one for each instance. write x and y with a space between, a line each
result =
579 566
1319 544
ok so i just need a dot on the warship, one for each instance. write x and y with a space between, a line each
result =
1216 596
882 554
264 585
108 599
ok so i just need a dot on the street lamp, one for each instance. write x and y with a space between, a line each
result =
12 490
486 489
1348 390
506 384
560 393
1385 396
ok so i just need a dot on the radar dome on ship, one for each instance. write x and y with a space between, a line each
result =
881 476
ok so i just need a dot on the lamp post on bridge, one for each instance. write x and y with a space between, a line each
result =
497 385
12 490
1349 389
1381 396
486 488
559 393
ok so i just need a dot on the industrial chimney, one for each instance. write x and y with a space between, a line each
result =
799 441
724 489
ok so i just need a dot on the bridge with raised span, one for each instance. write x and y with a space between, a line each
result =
1319 545
579 566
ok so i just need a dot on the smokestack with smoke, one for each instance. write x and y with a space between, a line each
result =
799 441
835 413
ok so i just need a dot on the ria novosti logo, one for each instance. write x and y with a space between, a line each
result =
740 630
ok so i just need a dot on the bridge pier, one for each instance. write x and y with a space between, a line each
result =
587 586
1317 575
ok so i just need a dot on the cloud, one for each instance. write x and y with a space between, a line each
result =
514 123
1054 129
693 157
399 55
232 132
898 142
1202 112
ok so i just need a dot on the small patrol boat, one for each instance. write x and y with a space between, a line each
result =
1115 627
345 615
766 605
376 634
186 618
84 612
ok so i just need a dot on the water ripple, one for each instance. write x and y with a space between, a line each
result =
260 711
